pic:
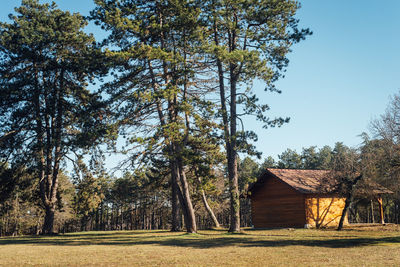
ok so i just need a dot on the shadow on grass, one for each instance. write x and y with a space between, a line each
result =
194 241
96 234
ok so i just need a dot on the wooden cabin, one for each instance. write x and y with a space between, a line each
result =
297 198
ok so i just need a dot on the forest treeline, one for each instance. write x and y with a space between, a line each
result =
170 88
142 200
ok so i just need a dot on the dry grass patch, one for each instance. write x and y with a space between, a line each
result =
359 246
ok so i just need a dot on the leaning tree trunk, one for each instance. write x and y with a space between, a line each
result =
191 226
205 203
349 199
209 210
176 177
345 211
179 172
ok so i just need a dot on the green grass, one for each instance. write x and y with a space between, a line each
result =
357 246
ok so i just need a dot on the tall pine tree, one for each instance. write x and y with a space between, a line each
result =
156 86
46 110
248 40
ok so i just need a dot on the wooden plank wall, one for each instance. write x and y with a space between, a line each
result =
324 211
276 204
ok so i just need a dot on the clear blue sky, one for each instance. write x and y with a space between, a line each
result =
339 79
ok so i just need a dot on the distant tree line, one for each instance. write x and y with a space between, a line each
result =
90 200
373 162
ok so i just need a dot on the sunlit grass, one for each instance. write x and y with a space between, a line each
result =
360 246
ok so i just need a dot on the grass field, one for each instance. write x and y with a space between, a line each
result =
358 246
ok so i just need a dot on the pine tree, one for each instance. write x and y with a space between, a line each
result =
249 40
46 110
155 88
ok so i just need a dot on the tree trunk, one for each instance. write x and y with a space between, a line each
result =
176 178
175 227
234 196
48 226
232 160
381 214
349 199
205 203
344 212
209 210
188 207
230 133
372 211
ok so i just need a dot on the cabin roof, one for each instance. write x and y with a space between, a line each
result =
309 181
304 181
